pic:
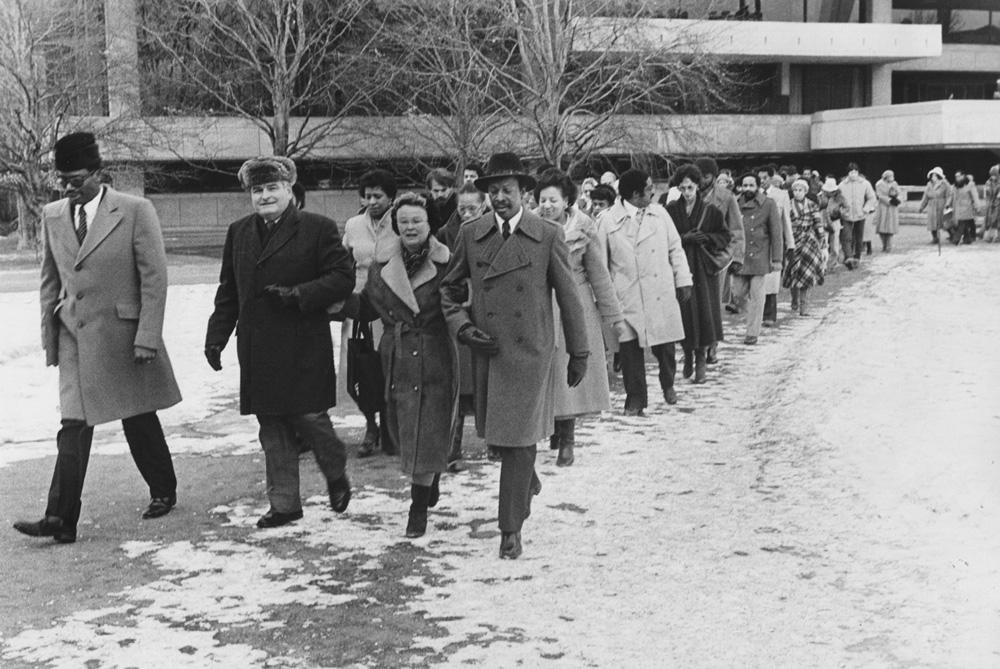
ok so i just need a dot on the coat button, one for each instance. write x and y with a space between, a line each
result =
390 312
414 354
416 388
489 315
80 324
79 296
517 314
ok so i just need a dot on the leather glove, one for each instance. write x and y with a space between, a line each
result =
576 369
214 356
142 355
683 293
286 297
478 340
735 267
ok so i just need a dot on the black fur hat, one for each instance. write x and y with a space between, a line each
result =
265 170
77 151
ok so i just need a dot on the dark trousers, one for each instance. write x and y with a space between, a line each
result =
852 238
149 451
964 231
279 437
633 364
517 479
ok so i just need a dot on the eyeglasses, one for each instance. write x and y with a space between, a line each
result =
75 181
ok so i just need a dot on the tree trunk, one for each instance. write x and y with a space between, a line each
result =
29 216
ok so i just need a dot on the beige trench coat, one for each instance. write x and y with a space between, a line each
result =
101 300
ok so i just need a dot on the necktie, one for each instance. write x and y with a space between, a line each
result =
81 228
505 230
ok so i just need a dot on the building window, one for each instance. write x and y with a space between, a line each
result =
929 86
831 87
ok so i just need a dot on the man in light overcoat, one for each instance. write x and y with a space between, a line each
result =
103 295
281 268
516 261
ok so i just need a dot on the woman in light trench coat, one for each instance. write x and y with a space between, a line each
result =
418 354
937 198
588 257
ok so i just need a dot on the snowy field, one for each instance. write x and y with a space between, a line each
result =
831 498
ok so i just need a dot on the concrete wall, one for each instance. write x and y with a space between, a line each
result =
957 58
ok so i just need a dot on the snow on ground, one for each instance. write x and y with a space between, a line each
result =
830 498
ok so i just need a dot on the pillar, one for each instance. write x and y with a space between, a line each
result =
881 85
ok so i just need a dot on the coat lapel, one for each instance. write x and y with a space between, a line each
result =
394 271
616 218
287 229
512 254
647 226
107 219
62 234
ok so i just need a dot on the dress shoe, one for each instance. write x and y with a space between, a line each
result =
712 357
340 493
670 395
369 445
493 454
700 370
416 523
510 545
750 341
456 466
276 519
565 457
49 526
630 411
159 506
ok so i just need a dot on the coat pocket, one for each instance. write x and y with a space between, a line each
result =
128 311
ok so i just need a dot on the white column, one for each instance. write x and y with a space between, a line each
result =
881 85
881 11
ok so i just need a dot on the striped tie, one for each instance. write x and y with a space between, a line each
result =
81 229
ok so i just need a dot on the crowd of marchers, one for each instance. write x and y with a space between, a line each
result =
509 295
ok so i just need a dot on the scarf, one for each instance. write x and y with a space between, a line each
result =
414 260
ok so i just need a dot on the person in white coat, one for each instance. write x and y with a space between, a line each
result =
650 274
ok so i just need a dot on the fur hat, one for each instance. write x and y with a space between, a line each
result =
265 170
938 171
77 151
501 166
830 185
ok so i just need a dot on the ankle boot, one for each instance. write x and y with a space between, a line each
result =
795 298
554 439
688 364
803 308
700 370
435 495
416 525
566 430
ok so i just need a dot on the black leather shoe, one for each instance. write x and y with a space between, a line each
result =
510 545
159 506
688 365
712 356
369 446
49 526
630 411
340 493
276 519
670 395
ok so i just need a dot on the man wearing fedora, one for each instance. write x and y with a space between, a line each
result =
281 268
514 261
103 294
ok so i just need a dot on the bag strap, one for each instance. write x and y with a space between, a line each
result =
701 219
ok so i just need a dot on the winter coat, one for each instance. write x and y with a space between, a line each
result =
937 198
418 355
763 235
588 258
512 283
887 215
647 265
101 300
806 263
702 314
448 235
859 199
965 199
724 200
993 203
285 352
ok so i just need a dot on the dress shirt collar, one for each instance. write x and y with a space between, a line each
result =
514 220
89 207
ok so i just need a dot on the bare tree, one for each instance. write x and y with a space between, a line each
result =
50 67
583 79
265 61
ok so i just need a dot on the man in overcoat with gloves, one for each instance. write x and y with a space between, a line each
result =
281 268
103 295
515 261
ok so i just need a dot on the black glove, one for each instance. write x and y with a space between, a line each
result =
735 267
576 369
694 237
478 340
214 356
286 297
683 293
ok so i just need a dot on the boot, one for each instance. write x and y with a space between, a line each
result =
795 298
554 439
712 356
435 495
565 429
369 445
803 309
416 525
688 363
699 366
934 236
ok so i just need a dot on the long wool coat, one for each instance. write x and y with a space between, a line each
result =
647 266
702 314
886 215
937 197
418 355
99 301
285 353
588 258
512 283
762 233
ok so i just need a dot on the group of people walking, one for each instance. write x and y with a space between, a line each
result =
509 298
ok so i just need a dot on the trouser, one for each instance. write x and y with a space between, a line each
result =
149 451
886 241
633 362
852 238
725 287
281 454
771 308
964 231
517 479
750 288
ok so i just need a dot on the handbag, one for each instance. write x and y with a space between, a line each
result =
365 380
717 260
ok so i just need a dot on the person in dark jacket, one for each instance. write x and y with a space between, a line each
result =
442 201
281 269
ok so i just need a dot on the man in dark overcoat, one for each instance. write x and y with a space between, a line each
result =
103 295
281 268
514 261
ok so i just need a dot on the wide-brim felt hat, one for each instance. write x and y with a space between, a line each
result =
502 166
830 185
